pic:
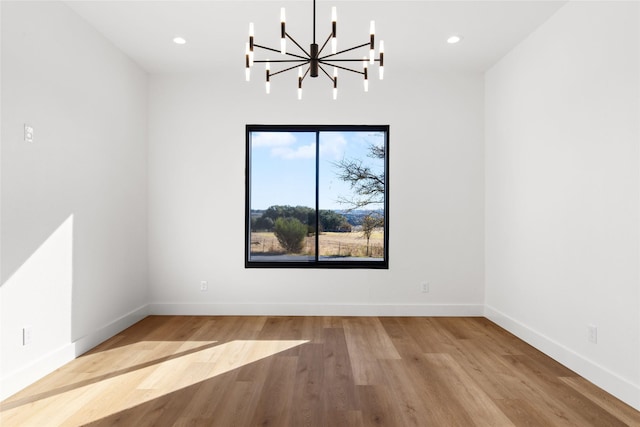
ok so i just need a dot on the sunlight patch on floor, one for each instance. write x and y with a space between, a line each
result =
134 379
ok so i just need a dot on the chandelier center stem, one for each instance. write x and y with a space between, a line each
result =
313 63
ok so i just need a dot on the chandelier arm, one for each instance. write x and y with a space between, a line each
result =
262 61
342 68
286 69
345 50
347 60
325 43
278 51
306 72
296 43
325 71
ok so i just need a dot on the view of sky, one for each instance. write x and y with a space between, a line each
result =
283 166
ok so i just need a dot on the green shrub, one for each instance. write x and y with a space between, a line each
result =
290 233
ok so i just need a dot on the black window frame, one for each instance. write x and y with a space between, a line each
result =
317 263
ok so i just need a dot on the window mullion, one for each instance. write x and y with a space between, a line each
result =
317 196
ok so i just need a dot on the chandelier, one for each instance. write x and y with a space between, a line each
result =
312 62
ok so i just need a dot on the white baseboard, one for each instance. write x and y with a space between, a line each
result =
32 372
196 309
87 342
598 375
15 381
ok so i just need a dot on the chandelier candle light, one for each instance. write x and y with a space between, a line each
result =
311 62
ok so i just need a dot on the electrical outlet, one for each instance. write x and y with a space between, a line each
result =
204 286
27 335
424 287
593 334
28 133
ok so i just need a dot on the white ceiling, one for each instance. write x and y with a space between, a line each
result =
414 32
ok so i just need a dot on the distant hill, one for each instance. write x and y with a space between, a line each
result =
353 217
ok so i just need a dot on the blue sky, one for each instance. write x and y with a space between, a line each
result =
283 166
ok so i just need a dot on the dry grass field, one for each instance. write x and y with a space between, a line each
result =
352 244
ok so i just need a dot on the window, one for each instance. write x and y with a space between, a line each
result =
317 196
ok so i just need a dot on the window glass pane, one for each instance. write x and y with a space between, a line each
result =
282 192
352 195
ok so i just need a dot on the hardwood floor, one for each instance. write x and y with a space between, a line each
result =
314 371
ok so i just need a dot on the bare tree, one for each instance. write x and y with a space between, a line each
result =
370 223
367 185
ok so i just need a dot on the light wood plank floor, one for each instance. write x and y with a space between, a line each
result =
314 371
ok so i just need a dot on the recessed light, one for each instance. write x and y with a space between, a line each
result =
179 40
454 39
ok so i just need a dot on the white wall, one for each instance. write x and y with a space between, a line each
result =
562 192
74 264
197 184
